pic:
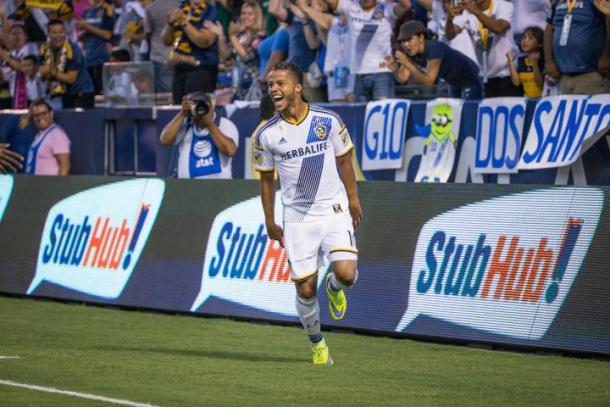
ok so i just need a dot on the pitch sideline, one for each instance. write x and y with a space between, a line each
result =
75 394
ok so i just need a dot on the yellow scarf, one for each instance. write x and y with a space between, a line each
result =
182 44
59 60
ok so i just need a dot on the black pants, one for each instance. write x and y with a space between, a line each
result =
82 100
188 79
96 73
498 87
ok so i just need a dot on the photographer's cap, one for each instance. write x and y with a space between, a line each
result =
411 28
200 96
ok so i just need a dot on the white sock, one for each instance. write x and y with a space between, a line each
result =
309 314
336 285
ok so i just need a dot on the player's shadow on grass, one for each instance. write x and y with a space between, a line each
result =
213 354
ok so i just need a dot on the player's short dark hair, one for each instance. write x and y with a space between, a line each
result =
292 68
56 21
32 58
267 107
40 102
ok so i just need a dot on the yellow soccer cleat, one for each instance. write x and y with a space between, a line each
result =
321 355
337 303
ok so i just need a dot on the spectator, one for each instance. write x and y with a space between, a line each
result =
371 23
50 151
335 35
34 19
206 141
79 8
603 6
12 70
34 86
68 82
272 50
437 16
245 36
529 13
10 161
154 22
577 47
528 72
302 40
65 13
133 37
4 24
433 59
195 52
487 23
96 31
119 88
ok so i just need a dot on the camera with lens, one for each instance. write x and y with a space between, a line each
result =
201 103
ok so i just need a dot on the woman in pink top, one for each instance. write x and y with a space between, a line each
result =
50 151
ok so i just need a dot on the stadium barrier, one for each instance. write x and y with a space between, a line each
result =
501 264
112 141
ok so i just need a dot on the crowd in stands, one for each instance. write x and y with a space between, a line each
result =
350 50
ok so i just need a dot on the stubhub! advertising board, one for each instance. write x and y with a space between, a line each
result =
92 240
244 266
500 264
516 260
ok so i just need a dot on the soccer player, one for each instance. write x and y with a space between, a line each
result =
310 147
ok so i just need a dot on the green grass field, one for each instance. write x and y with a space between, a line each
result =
183 361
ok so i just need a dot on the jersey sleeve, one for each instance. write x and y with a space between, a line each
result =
261 153
339 138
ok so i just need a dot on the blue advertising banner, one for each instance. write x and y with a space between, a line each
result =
500 126
385 122
137 129
562 127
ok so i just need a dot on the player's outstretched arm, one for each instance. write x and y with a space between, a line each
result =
348 177
274 231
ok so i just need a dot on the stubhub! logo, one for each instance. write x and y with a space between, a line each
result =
504 265
6 188
91 241
243 265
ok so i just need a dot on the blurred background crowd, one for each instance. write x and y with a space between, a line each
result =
78 53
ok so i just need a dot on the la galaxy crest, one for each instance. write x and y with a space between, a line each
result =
345 139
320 131
258 158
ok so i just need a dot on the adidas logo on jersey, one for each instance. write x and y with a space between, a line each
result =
283 140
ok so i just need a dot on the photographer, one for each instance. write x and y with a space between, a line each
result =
206 141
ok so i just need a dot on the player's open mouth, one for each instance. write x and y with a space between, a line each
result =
277 99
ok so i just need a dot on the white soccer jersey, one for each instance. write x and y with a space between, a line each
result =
371 34
304 154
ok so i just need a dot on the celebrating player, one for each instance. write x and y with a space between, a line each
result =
310 147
